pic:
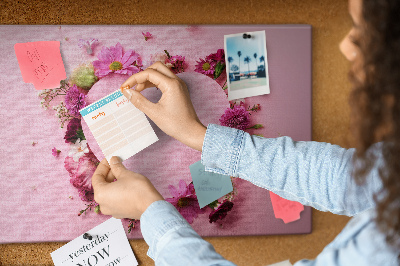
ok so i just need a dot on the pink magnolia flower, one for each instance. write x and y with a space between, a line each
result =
55 152
147 35
88 45
206 66
114 60
236 117
185 200
74 100
81 173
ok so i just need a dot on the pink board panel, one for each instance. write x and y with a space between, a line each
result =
37 201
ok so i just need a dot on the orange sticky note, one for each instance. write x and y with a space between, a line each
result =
284 209
41 63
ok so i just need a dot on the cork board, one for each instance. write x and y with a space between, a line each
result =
330 23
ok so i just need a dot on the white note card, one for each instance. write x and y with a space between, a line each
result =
118 126
109 246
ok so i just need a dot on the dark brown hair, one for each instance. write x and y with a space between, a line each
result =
375 103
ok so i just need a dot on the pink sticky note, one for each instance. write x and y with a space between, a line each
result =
41 63
286 210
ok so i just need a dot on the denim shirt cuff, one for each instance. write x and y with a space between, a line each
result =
158 219
222 148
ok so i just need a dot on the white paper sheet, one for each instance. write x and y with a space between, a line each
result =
109 246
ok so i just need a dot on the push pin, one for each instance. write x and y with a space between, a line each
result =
87 236
246 36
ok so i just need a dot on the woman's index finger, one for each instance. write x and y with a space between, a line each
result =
160 80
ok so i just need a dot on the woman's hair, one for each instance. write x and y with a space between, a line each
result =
375 103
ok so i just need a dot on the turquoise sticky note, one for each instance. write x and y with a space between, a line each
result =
209 186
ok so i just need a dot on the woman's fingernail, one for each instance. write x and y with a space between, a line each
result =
125 88
115 160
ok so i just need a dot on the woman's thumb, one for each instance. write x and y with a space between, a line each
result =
116 166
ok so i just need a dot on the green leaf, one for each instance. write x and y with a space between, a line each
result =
80 135
218 69
97 209
257 126
213 204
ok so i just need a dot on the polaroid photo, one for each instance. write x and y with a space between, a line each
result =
246 64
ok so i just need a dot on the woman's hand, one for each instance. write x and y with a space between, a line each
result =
173 113
128 197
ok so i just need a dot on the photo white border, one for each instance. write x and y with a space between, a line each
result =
247 92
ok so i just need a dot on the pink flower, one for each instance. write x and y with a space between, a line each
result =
113 60
88 45
74 100
72 134
177 62
81 173
206 66
185 200
55 152
221 212
218 57
147 35
236 117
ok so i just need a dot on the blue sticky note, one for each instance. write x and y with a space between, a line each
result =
209 186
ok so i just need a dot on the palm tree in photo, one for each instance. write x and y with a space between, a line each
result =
247 60
262 59
239 54
262 73
230 60
255 57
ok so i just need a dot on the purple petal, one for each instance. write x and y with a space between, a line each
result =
105 55
118 52
128 58
174 192
102 72
182 187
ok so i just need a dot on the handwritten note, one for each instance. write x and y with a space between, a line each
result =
108 246
288 211
118 126
209 186
41 63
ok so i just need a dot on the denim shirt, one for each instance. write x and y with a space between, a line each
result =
312 173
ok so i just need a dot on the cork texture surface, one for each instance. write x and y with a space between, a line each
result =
330 22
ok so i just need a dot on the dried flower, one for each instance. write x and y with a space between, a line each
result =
62 113
55 152
83 76
113 60
236 117
147 35
34 143
178 63
74 100
185 200
88 45
254 108
220 212
48 95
